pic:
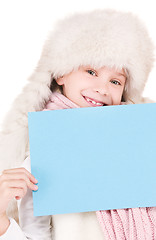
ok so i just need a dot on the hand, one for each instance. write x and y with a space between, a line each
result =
14 183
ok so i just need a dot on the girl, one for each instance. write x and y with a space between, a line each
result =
91 59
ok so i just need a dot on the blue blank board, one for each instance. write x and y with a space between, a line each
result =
95 158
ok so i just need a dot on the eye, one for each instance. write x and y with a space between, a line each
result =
91 72
116 82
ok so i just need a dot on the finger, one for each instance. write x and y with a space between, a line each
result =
17 198
21 170
8 178
20 184
16 193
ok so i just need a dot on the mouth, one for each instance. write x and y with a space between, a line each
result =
93 102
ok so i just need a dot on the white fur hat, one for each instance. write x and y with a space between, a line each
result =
98 38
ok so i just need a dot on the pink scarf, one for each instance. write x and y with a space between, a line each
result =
120 224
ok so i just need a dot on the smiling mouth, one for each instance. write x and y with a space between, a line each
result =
93 102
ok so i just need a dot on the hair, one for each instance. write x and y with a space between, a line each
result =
54 86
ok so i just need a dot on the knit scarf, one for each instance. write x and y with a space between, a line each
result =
121 224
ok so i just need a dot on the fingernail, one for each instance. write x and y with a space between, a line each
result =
36 180
35 190
35 187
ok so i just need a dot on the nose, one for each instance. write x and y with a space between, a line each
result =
102 89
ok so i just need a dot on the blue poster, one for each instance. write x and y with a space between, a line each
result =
94 158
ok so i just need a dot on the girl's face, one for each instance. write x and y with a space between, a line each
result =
88 87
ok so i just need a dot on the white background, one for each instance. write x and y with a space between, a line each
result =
24 25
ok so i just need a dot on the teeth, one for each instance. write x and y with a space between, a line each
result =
89 100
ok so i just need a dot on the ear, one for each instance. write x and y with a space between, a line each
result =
60 80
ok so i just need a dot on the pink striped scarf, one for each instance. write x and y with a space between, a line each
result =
120 224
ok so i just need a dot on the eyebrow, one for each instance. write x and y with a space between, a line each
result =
121 74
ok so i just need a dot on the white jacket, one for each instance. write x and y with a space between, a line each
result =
74 226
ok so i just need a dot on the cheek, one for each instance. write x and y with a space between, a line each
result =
81 84
117 95
74 86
